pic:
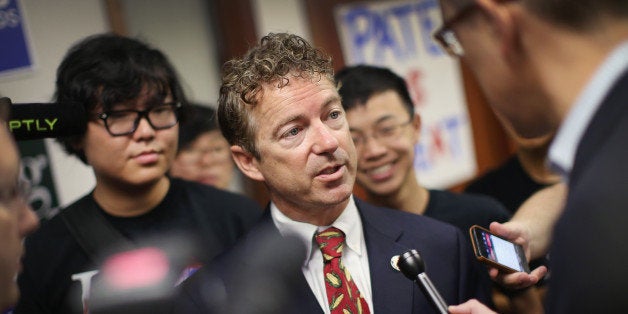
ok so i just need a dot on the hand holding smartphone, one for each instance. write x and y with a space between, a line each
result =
497 251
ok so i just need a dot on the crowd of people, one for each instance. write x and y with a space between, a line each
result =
134 101
164 211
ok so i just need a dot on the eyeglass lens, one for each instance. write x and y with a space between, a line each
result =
124 122
384 132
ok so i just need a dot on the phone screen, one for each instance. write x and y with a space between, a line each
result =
500 251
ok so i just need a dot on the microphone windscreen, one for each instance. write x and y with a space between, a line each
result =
411 264
30 121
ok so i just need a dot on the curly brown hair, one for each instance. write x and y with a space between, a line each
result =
278 57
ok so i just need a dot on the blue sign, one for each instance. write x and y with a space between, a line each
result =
14 48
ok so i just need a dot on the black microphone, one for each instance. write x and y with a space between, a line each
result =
270 283
31 121
259 275
411 265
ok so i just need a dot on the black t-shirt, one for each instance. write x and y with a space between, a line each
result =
53 257
464 210
509 184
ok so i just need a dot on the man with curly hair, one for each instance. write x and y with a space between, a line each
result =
281 113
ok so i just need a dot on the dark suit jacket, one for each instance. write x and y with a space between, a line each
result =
589 254
447 256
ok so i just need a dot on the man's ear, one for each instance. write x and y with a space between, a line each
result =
77 145
247 163
501 14
416 126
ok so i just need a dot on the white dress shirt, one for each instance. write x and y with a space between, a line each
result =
564 146
354 255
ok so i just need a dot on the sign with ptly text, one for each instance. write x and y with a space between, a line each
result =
15 53
398 35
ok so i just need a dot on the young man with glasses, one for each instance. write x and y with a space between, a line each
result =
560 65
385 130
133 100
17 218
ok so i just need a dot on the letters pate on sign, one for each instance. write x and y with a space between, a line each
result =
398 35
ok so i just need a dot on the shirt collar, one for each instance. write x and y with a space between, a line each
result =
349 222
563 150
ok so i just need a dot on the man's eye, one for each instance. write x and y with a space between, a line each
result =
161 110
386 130
334 114
292 132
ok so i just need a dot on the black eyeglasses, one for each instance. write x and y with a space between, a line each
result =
384 133
125 122
446 37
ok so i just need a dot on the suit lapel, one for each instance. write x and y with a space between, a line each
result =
392 291
306 302
602 124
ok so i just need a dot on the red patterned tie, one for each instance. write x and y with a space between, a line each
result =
342 293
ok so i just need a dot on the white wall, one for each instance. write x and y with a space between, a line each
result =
183 31
280 16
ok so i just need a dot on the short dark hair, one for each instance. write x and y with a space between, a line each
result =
578 15
200 120
107 69
357 84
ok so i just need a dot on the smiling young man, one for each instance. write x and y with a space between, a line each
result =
133 101
281 112
385 131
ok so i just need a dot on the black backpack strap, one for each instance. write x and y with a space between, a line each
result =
91 229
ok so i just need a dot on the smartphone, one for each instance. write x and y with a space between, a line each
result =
498 252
